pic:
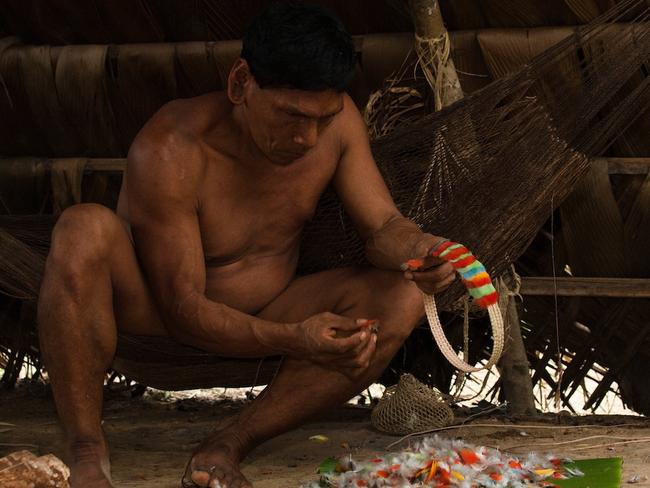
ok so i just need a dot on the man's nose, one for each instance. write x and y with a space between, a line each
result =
308 135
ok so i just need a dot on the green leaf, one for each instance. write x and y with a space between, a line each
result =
328 466
599 473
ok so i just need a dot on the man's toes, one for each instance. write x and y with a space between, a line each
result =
201 478
229 480
218 474
220 479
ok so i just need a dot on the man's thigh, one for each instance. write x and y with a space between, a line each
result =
89 240
134 306
338 291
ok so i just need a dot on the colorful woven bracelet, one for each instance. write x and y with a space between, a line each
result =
471 270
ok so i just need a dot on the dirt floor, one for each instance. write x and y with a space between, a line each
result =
151 438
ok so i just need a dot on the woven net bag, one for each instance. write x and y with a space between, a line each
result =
410 406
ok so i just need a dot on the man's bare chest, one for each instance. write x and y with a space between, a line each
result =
257 218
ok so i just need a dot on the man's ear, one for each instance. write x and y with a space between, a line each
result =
239 79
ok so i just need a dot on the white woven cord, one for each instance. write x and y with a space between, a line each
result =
498 334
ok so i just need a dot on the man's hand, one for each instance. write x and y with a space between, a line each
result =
338 343
431 275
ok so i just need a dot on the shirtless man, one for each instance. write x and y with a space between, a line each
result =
216 193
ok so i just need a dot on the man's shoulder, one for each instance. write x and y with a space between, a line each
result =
169 144
351 128
349 117
348 112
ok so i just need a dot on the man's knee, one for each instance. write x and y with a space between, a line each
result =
399 301
81 239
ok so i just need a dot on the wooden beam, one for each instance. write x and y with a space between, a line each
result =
627 166
586 287
624 166
620 166
112 164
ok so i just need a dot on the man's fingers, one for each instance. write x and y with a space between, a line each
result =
423 250
421 264
437 274
359 361
353 367
433 285
361 346
432 261
349 324
341 345
429 264
426 246
366 355
369 324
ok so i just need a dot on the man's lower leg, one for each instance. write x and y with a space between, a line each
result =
300 391
78 337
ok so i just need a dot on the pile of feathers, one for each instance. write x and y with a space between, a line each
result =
438 462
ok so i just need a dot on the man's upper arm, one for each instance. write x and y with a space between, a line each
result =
358 182
162 178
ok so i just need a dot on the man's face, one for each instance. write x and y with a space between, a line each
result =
286 123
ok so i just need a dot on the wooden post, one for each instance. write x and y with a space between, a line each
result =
433 47
513 367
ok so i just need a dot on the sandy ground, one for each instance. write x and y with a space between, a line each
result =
151 438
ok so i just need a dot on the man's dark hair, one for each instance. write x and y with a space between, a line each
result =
299 46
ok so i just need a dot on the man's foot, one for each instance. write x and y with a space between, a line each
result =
89 465
215 464
88 475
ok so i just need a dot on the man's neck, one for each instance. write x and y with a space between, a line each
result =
249 152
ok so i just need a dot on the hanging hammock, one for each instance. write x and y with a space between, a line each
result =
486 171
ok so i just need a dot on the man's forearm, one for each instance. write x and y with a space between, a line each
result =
223 330
393 244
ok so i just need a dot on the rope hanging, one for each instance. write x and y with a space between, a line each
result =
480 288
433 55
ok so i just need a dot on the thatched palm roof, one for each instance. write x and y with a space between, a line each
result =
108 21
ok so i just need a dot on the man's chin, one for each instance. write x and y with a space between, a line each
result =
285 159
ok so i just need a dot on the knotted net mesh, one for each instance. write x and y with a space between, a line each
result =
488 170
410 406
